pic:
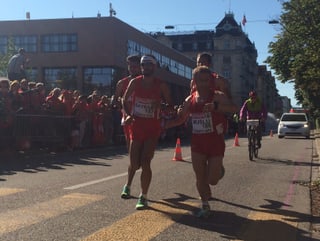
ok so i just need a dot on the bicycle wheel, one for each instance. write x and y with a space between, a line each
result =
256 149
251 146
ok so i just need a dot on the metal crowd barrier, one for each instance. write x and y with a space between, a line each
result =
41 130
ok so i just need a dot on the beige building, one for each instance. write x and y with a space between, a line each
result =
234 57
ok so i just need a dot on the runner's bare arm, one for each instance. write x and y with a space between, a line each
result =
221 103
182 115
126 95
118 91
223 85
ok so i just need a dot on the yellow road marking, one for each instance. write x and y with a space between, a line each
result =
26 216
143 225
8 191
266 226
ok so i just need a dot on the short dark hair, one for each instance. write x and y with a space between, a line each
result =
206 55
134 58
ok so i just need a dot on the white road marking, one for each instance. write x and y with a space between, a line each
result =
85 184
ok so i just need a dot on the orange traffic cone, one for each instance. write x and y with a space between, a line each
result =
236 140
177 154
271 133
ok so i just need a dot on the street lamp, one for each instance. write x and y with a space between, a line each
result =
169 27
274 21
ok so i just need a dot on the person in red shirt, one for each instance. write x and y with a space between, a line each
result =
16 96
6 114
217 82
206 109
107 121
54 103
133 62
67 102
141 102
81 116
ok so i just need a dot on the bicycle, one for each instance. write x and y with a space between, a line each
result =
252 128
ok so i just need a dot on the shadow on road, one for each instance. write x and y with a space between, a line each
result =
34 162
231 226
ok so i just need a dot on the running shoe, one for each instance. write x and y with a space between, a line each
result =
125 192
142 203
204 212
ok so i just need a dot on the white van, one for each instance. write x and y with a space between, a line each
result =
294 124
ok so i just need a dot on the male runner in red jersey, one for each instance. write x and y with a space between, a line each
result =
218 82
133 62
143 112
206 109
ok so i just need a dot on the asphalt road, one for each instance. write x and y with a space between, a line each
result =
76 196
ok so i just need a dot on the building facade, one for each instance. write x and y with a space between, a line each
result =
90 53
234 57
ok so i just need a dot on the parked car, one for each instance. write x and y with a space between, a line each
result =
294 124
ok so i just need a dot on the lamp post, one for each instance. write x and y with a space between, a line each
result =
169 27
274 21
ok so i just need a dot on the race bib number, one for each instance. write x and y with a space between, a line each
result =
202 123
143 108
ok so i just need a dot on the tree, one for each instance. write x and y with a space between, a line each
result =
4 58
296 51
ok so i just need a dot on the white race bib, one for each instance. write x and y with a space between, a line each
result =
202 123
143 108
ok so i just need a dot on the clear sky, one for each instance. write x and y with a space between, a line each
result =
151 16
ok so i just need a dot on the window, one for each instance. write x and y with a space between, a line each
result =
29 43
98 78
133 48
3 44
226 74
59 43
64 78
32 73
209 45
156 55
164 61
180 69
188 72
227 44
173 66
144 50
226 60
195 46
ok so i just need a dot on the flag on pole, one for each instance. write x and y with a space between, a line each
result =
244 20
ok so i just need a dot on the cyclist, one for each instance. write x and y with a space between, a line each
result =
253 108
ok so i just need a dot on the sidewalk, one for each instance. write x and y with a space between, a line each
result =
315 177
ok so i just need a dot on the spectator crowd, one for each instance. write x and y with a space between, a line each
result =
29 117
32 117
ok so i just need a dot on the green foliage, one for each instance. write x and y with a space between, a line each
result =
4 58
295 55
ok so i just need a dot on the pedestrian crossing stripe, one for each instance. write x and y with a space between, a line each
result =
9 191
143 225
22 217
